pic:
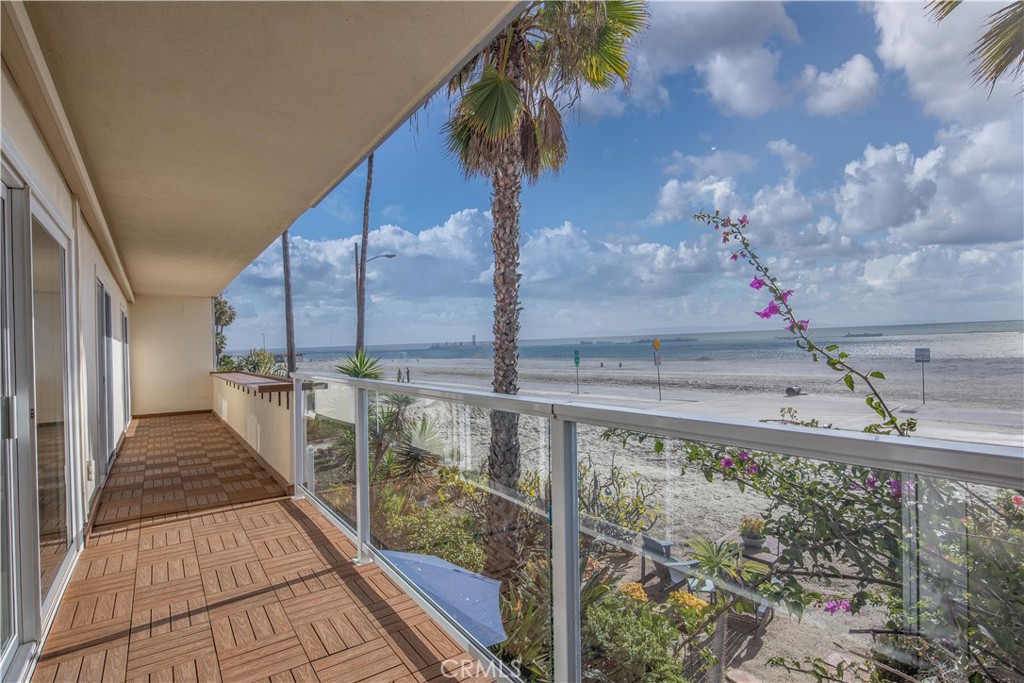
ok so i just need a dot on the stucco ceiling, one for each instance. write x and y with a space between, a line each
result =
207 128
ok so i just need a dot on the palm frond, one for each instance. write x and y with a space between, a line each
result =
551 133
940 9
492 104
1001 48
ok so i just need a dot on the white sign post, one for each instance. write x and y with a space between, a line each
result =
657 362
922 355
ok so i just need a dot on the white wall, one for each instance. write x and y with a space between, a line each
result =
260 421
93 267
171 341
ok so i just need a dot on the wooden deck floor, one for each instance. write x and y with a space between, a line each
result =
200 569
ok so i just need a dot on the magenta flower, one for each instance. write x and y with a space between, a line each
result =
837 605
785 295
802 324
725 238
734 257
727 222
756 283
896 488
1018 501
871 483
753 469
743 455
770 310
727 463
743 220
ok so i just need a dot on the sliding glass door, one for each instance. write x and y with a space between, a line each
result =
49 306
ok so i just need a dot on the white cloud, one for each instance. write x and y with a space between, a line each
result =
850 88
677 199
781 206
886 188
934 58
793 158
743 82
718 163
685 35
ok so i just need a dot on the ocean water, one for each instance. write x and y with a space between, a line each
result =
973 364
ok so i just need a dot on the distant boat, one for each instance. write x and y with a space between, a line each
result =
863 334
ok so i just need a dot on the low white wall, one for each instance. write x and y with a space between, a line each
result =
171 354
260 421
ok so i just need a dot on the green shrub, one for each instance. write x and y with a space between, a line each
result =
626 641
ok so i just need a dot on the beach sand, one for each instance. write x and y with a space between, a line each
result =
691 507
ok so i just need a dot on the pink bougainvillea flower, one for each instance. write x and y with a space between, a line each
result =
757 283
725 238
727 463
727 222
1018 501
802 324
743 455
837 605
734 257
753 469
871 483
743 220
770 310
785 295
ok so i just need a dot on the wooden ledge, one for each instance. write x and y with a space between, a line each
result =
261 383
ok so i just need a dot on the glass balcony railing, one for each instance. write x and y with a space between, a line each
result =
565 542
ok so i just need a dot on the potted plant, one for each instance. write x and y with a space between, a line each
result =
752 532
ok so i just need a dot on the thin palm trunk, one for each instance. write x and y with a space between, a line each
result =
289 319
361 260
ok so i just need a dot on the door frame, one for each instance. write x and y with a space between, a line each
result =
35 612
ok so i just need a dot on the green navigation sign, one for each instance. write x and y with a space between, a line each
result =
576 360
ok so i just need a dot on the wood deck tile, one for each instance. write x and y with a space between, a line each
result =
198 568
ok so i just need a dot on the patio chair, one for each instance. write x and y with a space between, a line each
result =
661 552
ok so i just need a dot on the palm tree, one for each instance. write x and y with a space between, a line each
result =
223 315
507 125
361 259
289 320
1001 48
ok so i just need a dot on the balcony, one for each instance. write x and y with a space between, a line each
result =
201 567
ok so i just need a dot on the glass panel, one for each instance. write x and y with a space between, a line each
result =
329 444
442 502
48 297
703 558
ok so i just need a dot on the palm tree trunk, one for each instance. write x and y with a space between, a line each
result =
503 464
289 319
361 260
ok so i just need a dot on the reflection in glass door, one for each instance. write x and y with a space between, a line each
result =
50 361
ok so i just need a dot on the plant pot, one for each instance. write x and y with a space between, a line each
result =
751 543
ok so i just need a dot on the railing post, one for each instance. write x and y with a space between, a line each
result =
565 551
362 476
298 437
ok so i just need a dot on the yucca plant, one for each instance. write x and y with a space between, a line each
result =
361 365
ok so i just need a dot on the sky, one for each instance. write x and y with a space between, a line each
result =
879 183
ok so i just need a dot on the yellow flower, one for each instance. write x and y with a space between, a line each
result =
633 590
686 601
